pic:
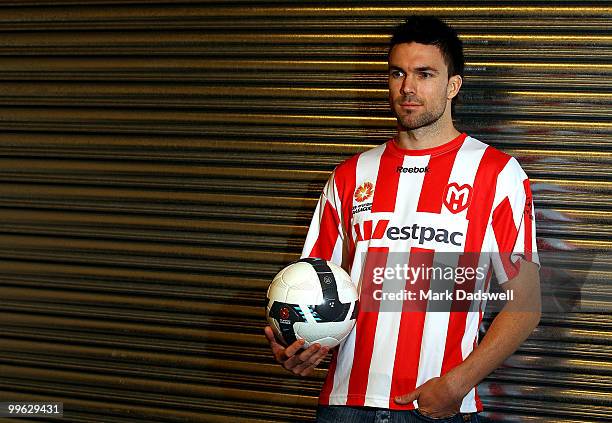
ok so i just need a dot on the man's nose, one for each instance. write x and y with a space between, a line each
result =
408 86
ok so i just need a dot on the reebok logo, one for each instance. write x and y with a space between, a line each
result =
368 231
401 169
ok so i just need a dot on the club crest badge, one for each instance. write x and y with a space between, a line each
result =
457 198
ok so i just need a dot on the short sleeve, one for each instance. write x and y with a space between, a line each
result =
325 236
513 222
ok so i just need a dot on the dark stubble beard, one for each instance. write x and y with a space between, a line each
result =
424 118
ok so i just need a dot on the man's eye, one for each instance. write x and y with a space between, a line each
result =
396 74
426 75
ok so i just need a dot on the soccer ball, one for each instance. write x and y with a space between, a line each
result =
314 300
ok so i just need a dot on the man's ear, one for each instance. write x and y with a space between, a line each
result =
453 87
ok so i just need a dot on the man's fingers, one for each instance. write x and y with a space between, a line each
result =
298 359
299 362
408 398
309 352
302 363
281 353
292 349
312 358
274 345
308 365
308 370
269 334
272 339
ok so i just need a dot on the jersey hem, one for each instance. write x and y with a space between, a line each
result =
378 402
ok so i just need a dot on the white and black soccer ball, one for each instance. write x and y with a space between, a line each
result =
312 299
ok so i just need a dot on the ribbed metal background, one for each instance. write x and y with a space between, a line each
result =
160 161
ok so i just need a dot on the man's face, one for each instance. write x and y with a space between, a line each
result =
418 84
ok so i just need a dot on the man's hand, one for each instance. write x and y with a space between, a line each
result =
437 398
442 396
302 364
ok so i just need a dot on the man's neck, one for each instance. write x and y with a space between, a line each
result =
422 138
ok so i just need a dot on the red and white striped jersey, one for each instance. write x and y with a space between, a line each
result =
375 202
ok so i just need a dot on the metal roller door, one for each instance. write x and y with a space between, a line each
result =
160 161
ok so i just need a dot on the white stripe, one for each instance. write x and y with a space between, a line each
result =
314 229
344 364
367 168
467 346
385 343
367 171
336 257
435 330
468 405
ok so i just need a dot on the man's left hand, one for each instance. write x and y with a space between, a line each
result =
437 398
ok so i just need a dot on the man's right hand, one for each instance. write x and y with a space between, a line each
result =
291 358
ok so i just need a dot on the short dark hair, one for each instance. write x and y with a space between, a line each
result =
430 30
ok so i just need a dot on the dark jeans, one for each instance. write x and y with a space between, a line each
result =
344 413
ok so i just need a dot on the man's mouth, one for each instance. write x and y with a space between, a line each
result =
410 105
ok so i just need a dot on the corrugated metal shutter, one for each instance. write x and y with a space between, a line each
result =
160 161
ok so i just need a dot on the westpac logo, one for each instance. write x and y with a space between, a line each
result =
367 231
457 198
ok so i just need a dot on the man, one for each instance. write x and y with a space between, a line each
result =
429 190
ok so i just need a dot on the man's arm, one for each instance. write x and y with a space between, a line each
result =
442 396
323 234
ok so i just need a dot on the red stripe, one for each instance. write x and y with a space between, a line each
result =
491 164
328 233
479 406
486 288
365 328
367 229
387 180
528 221
436 180
358 232
505 234
329 380
412 323
381 227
